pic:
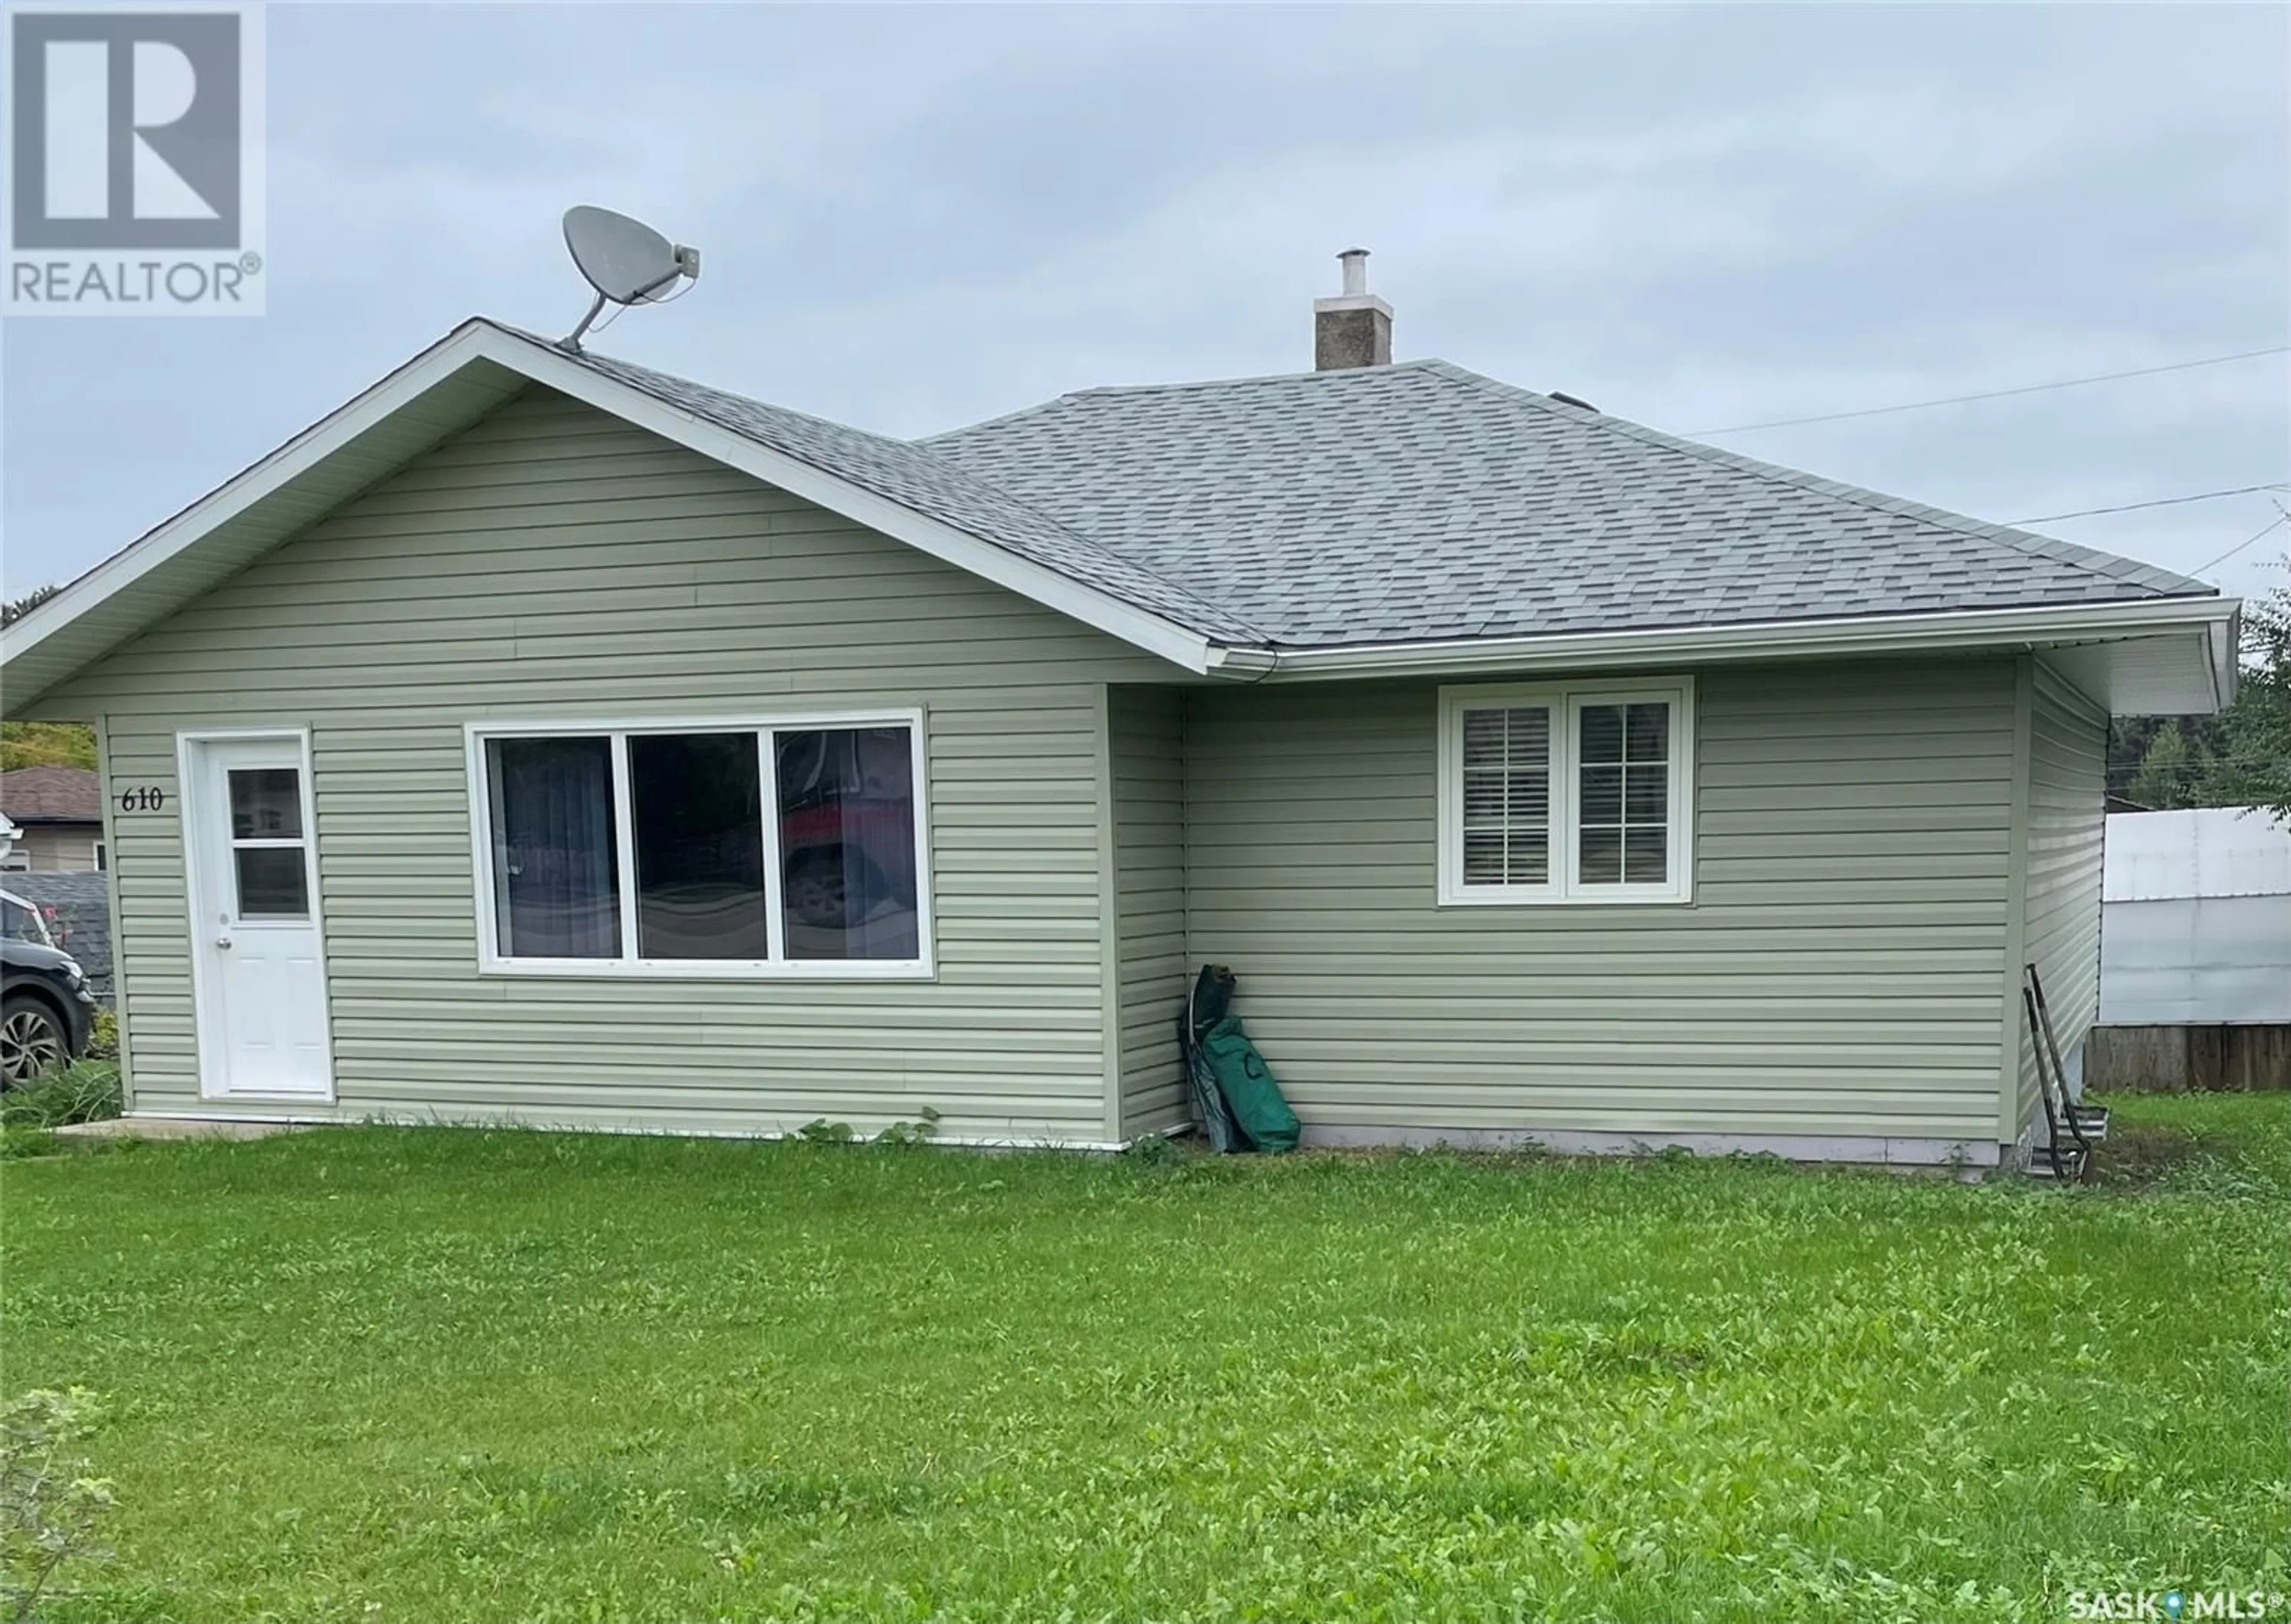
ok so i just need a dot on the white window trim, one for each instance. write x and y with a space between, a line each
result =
1566 700
492 961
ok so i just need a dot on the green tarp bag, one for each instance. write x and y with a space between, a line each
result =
1235 1099
1243 1077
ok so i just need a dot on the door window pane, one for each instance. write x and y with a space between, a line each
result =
847 828
272 882
266 803
555 885
699 839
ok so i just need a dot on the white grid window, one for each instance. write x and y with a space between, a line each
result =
1567 792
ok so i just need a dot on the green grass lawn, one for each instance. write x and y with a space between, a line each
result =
439 1375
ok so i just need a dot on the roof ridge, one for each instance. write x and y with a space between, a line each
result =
2026 542
1331 375
635 373
996 421
1334 375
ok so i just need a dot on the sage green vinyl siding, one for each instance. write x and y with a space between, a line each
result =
2067 814
1836 974
553 562
1149 805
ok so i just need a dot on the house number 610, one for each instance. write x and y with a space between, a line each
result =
142 798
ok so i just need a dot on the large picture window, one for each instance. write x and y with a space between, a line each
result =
792 847
1567 792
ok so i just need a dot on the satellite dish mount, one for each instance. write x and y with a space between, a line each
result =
624 260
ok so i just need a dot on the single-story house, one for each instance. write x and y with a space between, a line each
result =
58 816
543 737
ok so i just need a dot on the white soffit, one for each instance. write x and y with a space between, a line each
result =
2176 675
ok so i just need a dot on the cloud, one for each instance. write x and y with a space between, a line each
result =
912 217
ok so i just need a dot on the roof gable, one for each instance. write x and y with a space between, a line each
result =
876 482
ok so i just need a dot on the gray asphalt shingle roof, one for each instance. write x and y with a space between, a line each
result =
51 795
936 487
1420 500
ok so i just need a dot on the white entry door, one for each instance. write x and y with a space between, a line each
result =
260 970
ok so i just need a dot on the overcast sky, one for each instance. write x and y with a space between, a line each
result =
914 218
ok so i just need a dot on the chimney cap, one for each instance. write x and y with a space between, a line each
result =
1355 329
1355 295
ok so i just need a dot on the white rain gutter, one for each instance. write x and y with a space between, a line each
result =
1866 634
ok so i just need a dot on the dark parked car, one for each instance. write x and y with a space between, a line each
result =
45 1006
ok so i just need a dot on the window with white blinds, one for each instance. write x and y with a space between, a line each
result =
1566 793
1508 795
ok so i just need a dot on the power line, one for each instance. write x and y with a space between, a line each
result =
1999 394
2273 524
2160 501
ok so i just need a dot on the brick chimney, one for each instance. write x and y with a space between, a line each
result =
1355 329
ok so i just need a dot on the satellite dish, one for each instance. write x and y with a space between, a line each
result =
624 260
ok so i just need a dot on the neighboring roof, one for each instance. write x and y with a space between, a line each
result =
2209 851
1421 501
51 795
1416 517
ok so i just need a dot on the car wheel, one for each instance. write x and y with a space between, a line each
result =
814 888
32 1039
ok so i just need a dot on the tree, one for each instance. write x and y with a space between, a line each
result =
2167 774
46 744
10 614
2182 773
41 743
2255 765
